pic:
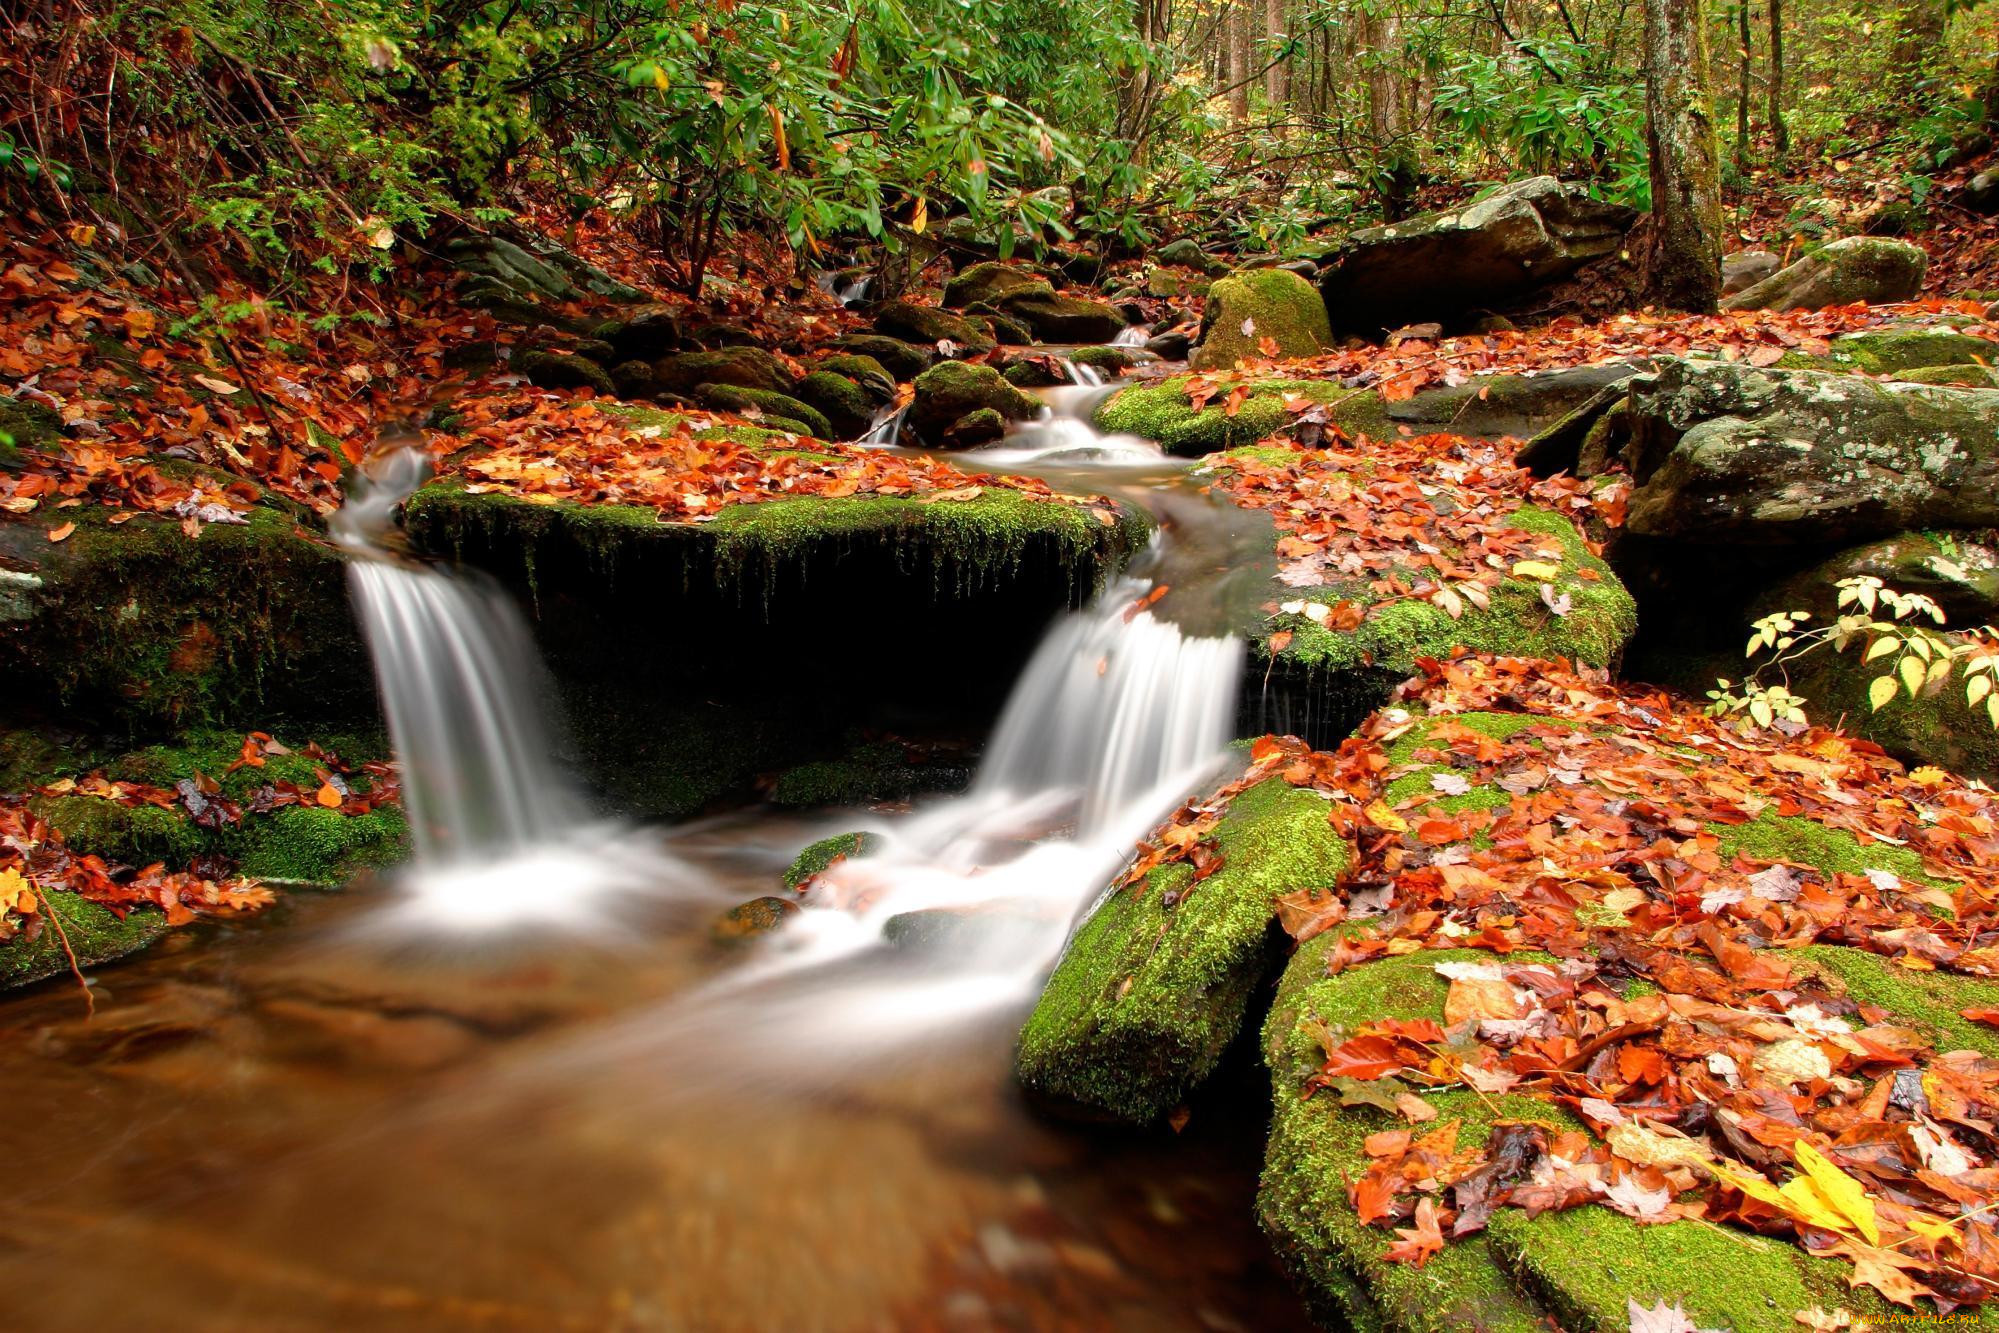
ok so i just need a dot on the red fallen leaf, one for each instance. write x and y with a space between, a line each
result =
329 796
1438 832
1982 1015
1280 641
1363 1058
1421 1241
61 533
1374 1198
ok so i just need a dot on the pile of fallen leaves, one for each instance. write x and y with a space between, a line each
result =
1738 1085
547 448
1423 517
34 861
1757 337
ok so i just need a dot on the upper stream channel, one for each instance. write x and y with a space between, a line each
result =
519 1084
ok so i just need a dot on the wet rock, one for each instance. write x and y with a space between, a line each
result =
1724 452
564 370
952 390
1981 192
1064 319
1745 268
744 367
1253 305
779 411
1002 327
847 407
1173 345
1168 283
990 283
1304 268
1493 254
865 371
1132 309
650 331
983 425
748 921
813 860
928 324
1857 268
903 360
634 379
1187 253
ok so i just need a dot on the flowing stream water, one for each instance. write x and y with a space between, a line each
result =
295 1126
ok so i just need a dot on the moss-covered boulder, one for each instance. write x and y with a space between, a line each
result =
778 411
1171 283
94 933
1252 305
901 359
990 283
928 324
564 370
813 859
1187 253
1873 269
1157 983
138 623
1063 319
846 405
26 425
950 391
743 367
1575 1270
1898 351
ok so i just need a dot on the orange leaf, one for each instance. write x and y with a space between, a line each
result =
61 533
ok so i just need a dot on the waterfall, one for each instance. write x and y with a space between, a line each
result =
1132 335
501 836
886 429
1064 432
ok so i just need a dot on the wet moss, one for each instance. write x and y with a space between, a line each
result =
1273 304
1164 414
1148 995
96 935
1891 351
814 859
1774 837
1930 1002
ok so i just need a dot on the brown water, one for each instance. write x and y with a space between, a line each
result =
265 1127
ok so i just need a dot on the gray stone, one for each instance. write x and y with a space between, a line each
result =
1873 269
1745 268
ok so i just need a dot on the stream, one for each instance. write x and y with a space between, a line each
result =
518 1083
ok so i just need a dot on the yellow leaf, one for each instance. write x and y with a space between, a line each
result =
1536 569
1802 1200
1846 1194
1880 692
1379 815
919 217
1749 1183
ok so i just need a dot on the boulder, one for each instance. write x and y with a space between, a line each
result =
1873 269
1494 253
1172 282
865 371
1249 306
745 367
903 360
928 324
564 370
1173 345
1157 983
778 411
1722 452
1187 253
1064 319
1981 192
634 379
1745 268
1002 327
1897 350
846 406
990 283
952 390
650 331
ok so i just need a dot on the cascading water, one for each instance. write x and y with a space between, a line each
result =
1064 432
502 838
1131 335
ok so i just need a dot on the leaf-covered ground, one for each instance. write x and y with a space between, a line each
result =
1653 891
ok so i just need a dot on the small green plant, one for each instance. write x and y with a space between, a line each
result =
1888 626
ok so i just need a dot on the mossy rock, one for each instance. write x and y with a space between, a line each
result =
1156 984
902 360
1857 268
815 857
753 919
928 324
95 935
141 625
1966 376
950 390
989 283
1898 351
564 370
1932 1003
1270 303
864 371
744 367
1164 414
1063 319
1187 253
772 407
845 407
26 425
1167 283
1103 356
1573 1270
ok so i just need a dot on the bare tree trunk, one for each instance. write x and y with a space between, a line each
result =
1683 267
1780 133
1238 66
1277 79
1384 101
1742 89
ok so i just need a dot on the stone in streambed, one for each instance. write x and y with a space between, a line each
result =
1858 268
847 407
780 411
743 367
564 370
902 360
1064 319
953 390
748 921
1250 306
991 283
928 324
1157 983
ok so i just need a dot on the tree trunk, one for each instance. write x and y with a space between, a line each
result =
1683 267
1276 80
1918 51
1384 101
1780 133
1238 66
1742 90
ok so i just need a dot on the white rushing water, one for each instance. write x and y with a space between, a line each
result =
1064 433
502 838
1131 335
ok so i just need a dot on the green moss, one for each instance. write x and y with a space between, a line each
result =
814 859
1163 413
1930 1002
306 845
1276 304
858 367
128 835
96 935
1104 357
774 407
1586 1263
1148 995
1774 837
1894 350
1601 618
